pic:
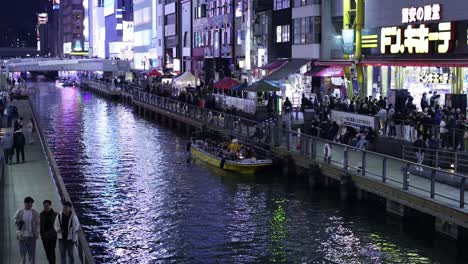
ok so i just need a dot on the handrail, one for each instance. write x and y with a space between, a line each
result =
84 250
229 121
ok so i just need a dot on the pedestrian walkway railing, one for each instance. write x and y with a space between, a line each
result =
84 250
422 180
103 85
456 161
452 138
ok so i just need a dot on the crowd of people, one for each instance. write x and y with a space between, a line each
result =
50 227
440 127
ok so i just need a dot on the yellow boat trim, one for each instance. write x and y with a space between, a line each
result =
229 166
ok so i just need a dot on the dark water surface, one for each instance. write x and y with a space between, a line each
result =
139 202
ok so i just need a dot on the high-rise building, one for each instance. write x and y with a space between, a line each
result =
97 29
117 14
141 32
74 19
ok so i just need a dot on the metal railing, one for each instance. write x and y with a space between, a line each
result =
398 173
103 85
84 250
452 139
456 161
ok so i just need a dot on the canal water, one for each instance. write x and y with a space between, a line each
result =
139 202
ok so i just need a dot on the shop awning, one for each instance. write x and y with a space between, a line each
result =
153 73
226 83
288 68
417 63
239 87
263 86
323 71
344 63
274 65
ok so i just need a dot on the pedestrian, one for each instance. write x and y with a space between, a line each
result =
420 146
31 128
18 142
18 124
67 226
9 115
48 234
7 145
27 230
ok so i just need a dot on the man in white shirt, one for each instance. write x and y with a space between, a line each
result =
27 230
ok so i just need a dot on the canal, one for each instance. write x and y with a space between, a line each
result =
139 202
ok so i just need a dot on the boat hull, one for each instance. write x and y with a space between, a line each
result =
227 165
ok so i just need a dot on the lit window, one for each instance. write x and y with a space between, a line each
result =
280 4
282 33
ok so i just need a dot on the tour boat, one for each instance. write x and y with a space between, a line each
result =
209 152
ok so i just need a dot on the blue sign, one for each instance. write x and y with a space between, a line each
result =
348 41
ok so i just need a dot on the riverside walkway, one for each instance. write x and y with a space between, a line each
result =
396 180
32 178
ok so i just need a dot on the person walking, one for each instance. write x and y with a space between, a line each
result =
27 230
31 128
18 124
67 226
18 142
7 145
420 146
48 234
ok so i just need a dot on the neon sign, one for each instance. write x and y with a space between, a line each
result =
433 77
420 14
417 39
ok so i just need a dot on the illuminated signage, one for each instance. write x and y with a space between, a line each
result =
42 18
433 77
109 7
420 14
348 41
417 39
67 47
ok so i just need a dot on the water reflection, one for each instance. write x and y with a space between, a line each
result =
139 201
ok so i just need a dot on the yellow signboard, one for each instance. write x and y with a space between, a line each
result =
416 39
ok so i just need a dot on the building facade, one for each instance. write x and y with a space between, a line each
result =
142 33
75 27
416 46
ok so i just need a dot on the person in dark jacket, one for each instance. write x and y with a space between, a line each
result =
48 234
18 142
420 146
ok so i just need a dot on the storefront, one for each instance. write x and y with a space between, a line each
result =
418 46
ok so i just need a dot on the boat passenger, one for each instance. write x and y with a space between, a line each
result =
234 146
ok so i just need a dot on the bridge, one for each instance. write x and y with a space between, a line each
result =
56 64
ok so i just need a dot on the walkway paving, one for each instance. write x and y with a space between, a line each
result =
31 178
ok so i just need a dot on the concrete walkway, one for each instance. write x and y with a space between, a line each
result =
31 178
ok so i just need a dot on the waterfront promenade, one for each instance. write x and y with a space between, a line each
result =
31 178
433 191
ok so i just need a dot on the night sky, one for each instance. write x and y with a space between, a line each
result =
20 15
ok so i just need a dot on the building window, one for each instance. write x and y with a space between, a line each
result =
198 39
299 3
307 30
240 36
170 19
280 4
200 11
186 40
282 33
